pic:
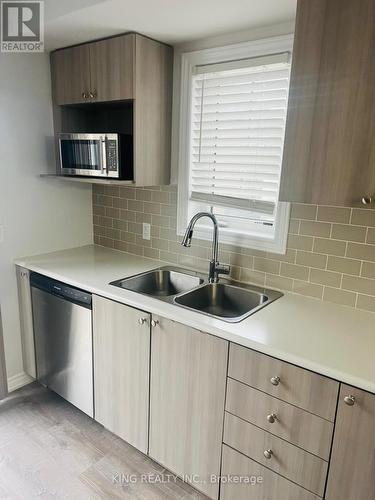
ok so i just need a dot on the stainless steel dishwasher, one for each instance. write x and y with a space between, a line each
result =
63 340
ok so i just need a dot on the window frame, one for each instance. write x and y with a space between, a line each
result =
189 60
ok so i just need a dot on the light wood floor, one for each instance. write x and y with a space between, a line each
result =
51 450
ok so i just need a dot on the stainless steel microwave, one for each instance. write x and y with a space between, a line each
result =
96 155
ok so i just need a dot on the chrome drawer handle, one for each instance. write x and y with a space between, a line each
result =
367 200
349 400
275 380
272 418
268 454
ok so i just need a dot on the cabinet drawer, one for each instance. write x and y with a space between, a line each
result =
268 484
308 390
288 460
308 431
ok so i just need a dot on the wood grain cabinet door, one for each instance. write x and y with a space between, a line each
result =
152 111
3 372
352 471
188 376
26 320
329 153
111 68
70 70
121 370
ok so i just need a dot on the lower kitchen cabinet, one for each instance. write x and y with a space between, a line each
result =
299 427
291 462
121 370
245 479
352 470
26 321
3 373
278 430
188 377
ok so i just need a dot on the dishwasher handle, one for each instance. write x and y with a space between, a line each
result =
59 289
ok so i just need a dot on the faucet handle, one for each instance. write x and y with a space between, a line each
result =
215 269
222 269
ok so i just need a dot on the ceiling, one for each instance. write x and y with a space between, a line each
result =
172 21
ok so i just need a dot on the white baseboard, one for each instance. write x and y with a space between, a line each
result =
18 381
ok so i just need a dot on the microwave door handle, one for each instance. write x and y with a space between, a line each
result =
60 157
78 154
103 156
89 155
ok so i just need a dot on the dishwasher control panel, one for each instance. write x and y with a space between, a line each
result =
62 290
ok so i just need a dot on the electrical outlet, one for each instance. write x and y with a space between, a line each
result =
146 231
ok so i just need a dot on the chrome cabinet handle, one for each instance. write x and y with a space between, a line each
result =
154 322
272 418
268 454
142 321
84 95
93 94
367 200
349 400
275 380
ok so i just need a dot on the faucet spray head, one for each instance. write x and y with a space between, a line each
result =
186 242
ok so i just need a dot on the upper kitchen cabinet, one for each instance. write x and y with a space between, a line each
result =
94 72
329 153
111 68
71 75
152 111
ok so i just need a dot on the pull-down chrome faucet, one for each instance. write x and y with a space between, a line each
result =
215 268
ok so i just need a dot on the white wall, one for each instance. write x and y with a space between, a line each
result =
37 215
205 43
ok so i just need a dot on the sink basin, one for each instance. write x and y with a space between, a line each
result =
225 301
162 282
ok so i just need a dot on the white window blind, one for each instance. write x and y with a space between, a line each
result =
237 133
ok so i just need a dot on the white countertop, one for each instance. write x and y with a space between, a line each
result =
330 339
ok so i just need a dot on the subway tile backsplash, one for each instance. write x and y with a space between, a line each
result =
330 253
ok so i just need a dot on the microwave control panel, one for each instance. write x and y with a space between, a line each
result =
112 155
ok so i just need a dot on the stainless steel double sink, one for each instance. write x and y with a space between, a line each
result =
227 300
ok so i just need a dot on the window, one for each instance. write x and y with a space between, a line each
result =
233 113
